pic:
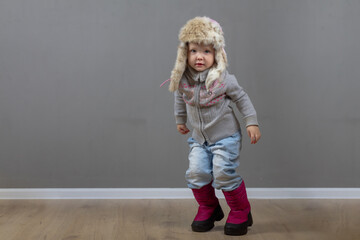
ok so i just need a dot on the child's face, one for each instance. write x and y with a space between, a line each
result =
200 57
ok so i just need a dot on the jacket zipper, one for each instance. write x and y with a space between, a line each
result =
197 103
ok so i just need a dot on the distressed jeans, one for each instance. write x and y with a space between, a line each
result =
216 162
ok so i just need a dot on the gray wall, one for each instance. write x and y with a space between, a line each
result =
80 103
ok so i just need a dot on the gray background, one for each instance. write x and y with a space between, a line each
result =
80 103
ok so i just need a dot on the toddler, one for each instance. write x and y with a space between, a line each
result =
203 91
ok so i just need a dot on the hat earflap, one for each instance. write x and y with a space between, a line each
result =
216 71
179 68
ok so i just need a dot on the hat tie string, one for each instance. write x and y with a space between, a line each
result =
165 82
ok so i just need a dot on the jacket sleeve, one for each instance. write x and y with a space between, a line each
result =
242 101
180 108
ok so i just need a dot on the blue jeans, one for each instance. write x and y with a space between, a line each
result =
216 162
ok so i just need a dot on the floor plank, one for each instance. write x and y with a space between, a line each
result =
171 219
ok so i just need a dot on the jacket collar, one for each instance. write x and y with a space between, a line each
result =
195 75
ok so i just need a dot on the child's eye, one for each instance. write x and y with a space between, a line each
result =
207 51
193 50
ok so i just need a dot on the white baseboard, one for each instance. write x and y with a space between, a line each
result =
173 193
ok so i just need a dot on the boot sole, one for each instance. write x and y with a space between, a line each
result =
207 225
238 229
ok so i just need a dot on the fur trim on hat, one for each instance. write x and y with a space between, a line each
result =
200 30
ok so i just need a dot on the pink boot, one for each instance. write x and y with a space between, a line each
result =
240 215
209 209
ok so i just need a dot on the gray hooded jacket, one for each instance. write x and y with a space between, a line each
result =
208 110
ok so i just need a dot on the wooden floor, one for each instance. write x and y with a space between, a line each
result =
171 219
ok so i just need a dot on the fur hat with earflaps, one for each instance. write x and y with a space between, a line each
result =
200 30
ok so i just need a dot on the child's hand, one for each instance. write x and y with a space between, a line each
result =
253 133
182 129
